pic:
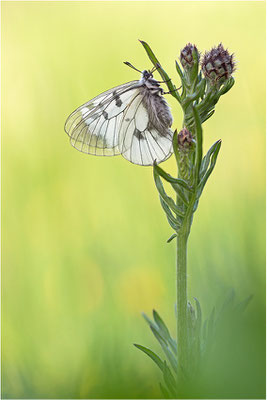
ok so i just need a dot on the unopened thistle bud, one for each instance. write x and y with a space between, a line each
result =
189 56
185 139
217 65
185 150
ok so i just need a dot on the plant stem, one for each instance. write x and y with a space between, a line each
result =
182 345
181 281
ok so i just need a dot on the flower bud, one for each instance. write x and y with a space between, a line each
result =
217 65
185 154
189 56
185 139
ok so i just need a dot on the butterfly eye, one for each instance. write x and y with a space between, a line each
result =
147 74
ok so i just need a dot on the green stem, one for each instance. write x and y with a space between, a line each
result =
182 344
181 280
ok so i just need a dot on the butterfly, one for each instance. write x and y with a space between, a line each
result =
132 119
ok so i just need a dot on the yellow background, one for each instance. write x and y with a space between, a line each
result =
84 238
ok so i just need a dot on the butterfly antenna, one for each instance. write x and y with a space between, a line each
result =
130 65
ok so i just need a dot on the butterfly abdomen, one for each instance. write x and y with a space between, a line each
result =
163 111
159 112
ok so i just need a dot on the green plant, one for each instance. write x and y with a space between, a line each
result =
201 89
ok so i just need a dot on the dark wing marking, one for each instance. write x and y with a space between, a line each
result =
139 141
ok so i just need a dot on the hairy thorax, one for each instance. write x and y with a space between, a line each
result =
158 110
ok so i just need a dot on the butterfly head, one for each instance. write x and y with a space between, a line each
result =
148 81
146 75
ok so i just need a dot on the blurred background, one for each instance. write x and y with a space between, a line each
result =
84 237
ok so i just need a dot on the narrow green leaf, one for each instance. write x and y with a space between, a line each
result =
153 356
199 141
165 348
161 71
174 235
158 335
174 182
162 326
205 116
164 330
212 165
179 70
183 82
165 337
191 322
198 324
171 219
165 392
180 193
189 100
168 200
202 93
174 223
171 179
148 320
199 312
167 375
196 204
197 93
169 379
227 86
206 102
206 160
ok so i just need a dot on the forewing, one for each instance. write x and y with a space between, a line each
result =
93 128
139 141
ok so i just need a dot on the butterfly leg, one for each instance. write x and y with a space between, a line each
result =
168 80
171 91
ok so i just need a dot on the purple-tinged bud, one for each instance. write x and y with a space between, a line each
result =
185 139
189 56
217 65
185 154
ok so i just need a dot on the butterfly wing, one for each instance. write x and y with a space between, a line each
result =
140 141
93 128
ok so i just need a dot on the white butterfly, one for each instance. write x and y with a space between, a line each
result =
132 119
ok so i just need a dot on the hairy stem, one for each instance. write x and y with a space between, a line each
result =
181 281
182 344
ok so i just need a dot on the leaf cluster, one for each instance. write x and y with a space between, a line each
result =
201 337
197 99
187 193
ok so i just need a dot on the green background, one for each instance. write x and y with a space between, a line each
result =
83 237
